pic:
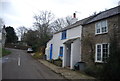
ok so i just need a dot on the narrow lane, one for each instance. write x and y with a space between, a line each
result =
20 65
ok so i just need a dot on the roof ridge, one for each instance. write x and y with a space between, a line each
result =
86 20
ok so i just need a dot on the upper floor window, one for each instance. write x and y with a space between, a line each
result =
102 52
64 34
101 27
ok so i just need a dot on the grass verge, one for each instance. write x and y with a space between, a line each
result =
5 52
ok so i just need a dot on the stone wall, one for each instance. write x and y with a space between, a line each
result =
89 39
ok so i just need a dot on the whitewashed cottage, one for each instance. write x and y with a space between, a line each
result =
66 43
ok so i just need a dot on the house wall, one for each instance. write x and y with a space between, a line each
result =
74 32
47 50
56 45
89 39
3 34
75 52
64 63
57 42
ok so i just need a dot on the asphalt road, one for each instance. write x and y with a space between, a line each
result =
20 65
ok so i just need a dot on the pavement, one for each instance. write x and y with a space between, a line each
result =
67 73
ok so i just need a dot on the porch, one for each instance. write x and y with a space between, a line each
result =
72 52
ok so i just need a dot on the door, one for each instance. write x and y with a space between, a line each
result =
51 51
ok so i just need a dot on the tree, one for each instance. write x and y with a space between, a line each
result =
60 23
31 37
42 22
11 35
21 31
42 32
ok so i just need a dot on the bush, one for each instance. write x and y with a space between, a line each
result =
93 70
38 55
57 62
52 61
58 59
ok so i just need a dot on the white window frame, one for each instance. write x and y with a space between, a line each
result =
101 44
96 27
96 53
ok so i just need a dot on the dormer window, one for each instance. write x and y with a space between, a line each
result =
101 27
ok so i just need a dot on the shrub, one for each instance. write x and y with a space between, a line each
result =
52 61
93 70
57 62
38 55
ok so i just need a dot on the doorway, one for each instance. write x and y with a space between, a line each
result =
68 55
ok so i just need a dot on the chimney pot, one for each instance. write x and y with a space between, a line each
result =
74 15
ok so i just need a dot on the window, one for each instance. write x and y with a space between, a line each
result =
63 34
61 52
101 27
105 52
99 53
98 28
102 52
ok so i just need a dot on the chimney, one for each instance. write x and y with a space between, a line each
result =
74 15
74 19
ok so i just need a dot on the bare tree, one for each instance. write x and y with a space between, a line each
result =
60 23
45 17
21 31
42 22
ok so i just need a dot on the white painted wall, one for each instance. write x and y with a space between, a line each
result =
57 42
64 63
75 52
56 45
47 50
74 32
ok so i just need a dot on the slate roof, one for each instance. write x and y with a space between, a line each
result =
99 16
105 14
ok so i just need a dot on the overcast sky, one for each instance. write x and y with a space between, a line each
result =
20 12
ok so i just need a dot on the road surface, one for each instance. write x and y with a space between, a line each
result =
20 65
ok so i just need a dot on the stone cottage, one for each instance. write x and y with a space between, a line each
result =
96 36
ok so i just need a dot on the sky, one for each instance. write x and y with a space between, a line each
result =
18 13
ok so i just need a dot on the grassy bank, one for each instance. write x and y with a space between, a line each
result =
5 52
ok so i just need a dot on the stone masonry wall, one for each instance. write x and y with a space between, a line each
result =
89 39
